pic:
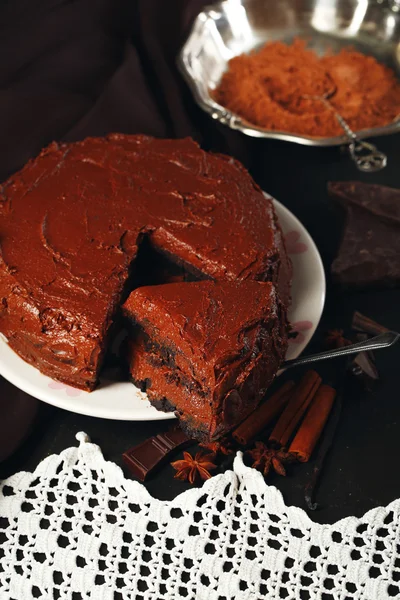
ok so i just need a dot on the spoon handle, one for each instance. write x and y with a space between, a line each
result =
384 340
365 155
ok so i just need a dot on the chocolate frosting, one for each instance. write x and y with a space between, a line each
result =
71 223
210 348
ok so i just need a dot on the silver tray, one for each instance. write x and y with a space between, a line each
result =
232 27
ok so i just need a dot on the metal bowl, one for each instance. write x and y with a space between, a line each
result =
232 27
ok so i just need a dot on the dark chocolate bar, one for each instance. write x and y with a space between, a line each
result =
143 459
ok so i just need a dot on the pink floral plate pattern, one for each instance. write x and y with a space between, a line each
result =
300 328
70 391
293 243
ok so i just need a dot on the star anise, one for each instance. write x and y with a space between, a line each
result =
190 467
335 339
266 458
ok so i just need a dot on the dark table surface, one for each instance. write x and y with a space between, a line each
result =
361 470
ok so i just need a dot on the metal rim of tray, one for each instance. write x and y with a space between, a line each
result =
234 121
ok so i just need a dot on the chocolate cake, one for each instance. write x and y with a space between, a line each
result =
208 350
76 222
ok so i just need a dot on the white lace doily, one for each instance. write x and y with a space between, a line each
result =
76 529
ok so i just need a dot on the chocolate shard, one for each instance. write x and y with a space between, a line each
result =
363 365
379 200
366 325
369 252
143 459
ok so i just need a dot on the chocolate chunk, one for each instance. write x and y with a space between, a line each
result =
369 252
363 365
143 459
366 325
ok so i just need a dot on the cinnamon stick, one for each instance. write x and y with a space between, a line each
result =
295 409
365 325
325 446
313 423
263 415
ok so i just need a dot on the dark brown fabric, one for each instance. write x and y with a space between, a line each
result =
76 68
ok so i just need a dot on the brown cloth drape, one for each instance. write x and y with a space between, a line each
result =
74 68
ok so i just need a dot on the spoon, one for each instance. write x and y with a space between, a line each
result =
384 340
365 155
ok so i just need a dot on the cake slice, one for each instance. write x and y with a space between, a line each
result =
208 350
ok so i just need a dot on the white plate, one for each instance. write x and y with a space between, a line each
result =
123 401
